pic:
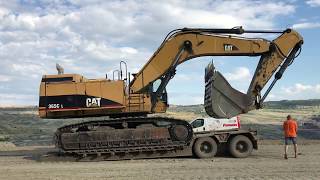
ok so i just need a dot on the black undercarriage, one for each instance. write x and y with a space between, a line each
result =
124 138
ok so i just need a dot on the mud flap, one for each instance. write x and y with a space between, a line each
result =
221 100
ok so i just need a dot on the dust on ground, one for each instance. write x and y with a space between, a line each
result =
266 163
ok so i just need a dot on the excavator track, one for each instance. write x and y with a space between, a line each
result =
124 138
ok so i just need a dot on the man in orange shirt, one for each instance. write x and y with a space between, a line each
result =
290 128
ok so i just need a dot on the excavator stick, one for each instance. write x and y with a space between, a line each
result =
221 99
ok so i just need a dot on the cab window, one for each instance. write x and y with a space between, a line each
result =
197 123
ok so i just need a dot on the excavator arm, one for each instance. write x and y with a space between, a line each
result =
224 101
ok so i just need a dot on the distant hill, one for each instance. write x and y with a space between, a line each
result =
292 104
197 108
283 104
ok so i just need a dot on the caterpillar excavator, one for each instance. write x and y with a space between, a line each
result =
127 102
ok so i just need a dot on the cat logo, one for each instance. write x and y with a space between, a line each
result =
230 47
93 102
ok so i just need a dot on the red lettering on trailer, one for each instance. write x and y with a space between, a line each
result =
238 121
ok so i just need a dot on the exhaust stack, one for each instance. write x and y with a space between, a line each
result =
59 69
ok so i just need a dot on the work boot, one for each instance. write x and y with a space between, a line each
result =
285 156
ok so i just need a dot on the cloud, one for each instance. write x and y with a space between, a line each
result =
313 3
240 74
306 25
189 76
182 77
271 96
295 92
4 78
186 98
298 88
317 88
11 99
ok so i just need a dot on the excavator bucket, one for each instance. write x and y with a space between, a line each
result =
221 100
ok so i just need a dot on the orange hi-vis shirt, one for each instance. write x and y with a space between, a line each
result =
290 128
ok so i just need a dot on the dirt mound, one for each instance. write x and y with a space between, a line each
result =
7 146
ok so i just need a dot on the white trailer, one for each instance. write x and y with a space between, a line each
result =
212 135
213 124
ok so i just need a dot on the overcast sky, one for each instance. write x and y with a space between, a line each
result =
91 37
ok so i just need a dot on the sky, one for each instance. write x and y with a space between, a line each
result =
91 37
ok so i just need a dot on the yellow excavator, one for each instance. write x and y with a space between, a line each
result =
127 102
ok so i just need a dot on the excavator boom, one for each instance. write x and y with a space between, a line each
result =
223 101
187 44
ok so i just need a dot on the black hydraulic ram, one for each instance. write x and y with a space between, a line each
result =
236 30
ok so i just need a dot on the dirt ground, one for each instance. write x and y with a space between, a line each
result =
266 163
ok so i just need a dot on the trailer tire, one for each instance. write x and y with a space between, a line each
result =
240 146
205 147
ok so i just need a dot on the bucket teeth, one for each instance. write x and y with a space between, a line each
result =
221 99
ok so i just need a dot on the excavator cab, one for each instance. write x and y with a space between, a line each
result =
221 99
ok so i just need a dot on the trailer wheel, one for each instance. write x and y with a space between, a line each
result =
240 146
205 147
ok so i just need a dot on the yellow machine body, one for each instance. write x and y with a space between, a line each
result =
72 95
